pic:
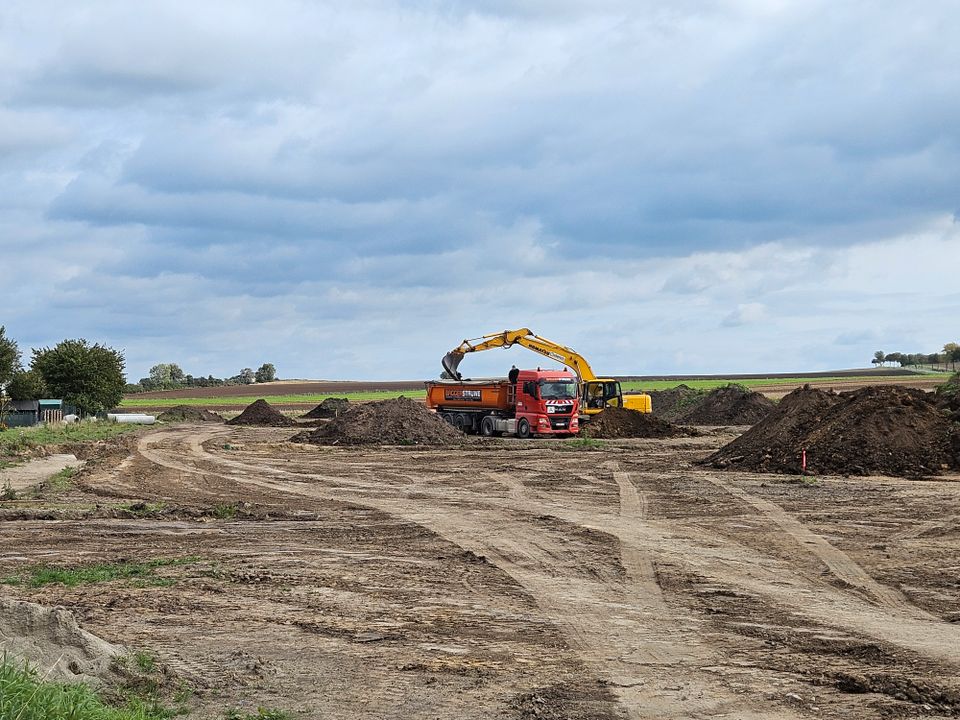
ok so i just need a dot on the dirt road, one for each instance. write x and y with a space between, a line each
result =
514 579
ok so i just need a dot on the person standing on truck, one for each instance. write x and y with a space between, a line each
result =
513 375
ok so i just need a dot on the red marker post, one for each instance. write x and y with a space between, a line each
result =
803 460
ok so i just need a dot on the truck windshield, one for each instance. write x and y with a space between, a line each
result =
558 389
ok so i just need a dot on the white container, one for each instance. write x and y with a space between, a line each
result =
132 418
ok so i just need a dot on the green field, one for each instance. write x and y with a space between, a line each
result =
628 386
315 398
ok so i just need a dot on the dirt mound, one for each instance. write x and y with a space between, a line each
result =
189 413
728 405
890 430
671 404
51 640
387 422
624 423
262 413
329 408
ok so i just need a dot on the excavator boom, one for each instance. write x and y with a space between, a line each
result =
524 337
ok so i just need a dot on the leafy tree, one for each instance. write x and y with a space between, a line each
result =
878 358
894 357
951 354
266 373
27 385
9 357
89 377
246 376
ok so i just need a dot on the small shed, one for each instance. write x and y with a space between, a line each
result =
22 413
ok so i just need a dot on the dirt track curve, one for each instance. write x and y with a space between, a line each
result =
527 580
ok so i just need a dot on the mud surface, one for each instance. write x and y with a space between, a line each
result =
624 423
189 413
512 579
880 430
329 408
386 422
261 413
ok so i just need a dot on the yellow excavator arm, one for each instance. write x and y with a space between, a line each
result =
597 392
524 337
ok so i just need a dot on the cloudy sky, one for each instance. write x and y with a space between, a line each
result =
347 190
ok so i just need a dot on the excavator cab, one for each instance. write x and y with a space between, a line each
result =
600 394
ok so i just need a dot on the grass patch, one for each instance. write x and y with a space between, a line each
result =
225 511
20 440
583 443
8 493
261 714
143 573
134 401
143 509
26 696
712 384
63 480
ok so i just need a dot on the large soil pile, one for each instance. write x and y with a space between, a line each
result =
189 413
262 413
51 640
624 423
728 405
387 422
671 404
329 408
889 430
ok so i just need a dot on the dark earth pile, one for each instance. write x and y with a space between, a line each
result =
386 422
671 404
189 413
262 413
728 405
948 396
889 430
331 407
624 423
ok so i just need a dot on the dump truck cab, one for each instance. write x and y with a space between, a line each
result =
548 401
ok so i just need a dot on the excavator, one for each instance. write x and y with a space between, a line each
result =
595 393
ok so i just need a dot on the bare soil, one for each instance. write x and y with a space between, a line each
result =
189 413
263 414
509 579
401 421
625 423
887 430
329 408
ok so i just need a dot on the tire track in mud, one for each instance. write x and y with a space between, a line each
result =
610 622
623 631
840 564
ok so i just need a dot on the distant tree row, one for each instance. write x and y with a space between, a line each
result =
170 376
88 377
949 356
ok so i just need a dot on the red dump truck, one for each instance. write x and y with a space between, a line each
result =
541 402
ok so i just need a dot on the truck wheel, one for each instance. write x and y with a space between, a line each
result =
523 428
487 427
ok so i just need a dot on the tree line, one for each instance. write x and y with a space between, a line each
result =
90 377
950 355
170 376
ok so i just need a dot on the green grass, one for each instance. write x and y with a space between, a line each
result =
134 401
24 695
19 440
143 573
63 479
261 714
583 443
635 385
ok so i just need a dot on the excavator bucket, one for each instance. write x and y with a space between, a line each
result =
450 362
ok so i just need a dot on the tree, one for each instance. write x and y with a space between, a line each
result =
89 377
27 385
951 354
246 376
266 373
166 375
878 357
9 357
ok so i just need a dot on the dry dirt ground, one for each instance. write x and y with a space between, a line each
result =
510 579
